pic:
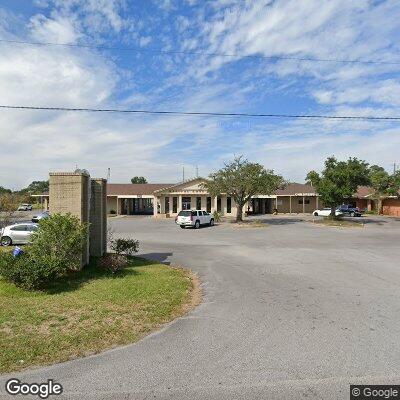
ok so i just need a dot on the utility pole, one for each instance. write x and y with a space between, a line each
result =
183 173
108 174
197 171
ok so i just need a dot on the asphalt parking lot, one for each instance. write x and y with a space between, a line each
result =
291 310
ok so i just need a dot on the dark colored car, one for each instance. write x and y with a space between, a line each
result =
349 210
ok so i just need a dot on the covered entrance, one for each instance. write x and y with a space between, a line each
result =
136 206
261 206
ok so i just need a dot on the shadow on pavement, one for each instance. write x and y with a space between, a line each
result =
160 257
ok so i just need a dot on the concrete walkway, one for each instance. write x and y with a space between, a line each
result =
291 311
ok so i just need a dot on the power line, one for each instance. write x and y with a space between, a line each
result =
195 53
202 114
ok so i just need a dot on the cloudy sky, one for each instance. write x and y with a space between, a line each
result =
172 55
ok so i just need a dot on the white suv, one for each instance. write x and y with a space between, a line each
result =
194 218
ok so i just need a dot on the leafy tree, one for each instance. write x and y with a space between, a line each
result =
4 190
36 187
8 205
241 179
139 179
339 180
383 184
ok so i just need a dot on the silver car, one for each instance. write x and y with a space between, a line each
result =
25 207
17 234
42 215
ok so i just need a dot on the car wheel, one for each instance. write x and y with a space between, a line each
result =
182 226
315 214
352 214
6 241
211 222
197 225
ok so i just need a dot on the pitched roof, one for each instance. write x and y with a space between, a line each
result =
362 192
292 189
131 189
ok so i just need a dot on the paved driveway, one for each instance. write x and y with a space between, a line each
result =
291 311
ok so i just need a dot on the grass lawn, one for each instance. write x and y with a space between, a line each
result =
338 222
90 312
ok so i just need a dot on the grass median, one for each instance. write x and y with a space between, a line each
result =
89 312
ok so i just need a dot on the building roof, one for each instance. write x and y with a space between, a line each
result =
131 189
362 192
292 189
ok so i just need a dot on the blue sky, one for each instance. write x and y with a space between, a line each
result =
33 143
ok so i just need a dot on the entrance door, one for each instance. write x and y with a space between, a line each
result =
186 203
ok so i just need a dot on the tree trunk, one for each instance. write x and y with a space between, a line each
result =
239 213
333 212
379 206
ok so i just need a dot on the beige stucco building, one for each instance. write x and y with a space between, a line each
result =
167 200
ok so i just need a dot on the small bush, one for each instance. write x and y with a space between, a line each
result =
125 246
217 216
24 272
113 212
55 249
113 262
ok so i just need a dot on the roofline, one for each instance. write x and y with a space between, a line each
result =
179 184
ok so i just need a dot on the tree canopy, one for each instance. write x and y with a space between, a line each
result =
241 179
36 187
138 179
383 184
339 180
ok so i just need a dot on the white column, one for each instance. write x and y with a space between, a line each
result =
179 202
304 206
155 208
316 202
290 204
171 208
118 206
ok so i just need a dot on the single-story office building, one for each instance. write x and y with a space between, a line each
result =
163 200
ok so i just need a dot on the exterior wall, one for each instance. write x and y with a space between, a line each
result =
111 204
98 217
70 193
295 207
391 207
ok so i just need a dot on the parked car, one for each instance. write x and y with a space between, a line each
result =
326 212
17 234
194 218
25 207
347 209
42 215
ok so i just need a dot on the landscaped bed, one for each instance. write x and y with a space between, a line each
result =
338 223
90 311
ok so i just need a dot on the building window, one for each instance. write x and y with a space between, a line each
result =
174 205
186 203
219 207
198 203
306 201
166 205
209 204
228 205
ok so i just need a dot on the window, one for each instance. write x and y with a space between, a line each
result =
186 203
166 205
184 214
306 201
219 204
209 204
174 205
228 205
198 203
19 228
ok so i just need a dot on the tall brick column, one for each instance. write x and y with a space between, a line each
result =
98 217
70 193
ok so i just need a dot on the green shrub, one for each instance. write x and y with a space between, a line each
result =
125 246
113 212
217 216
56 248
113 262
